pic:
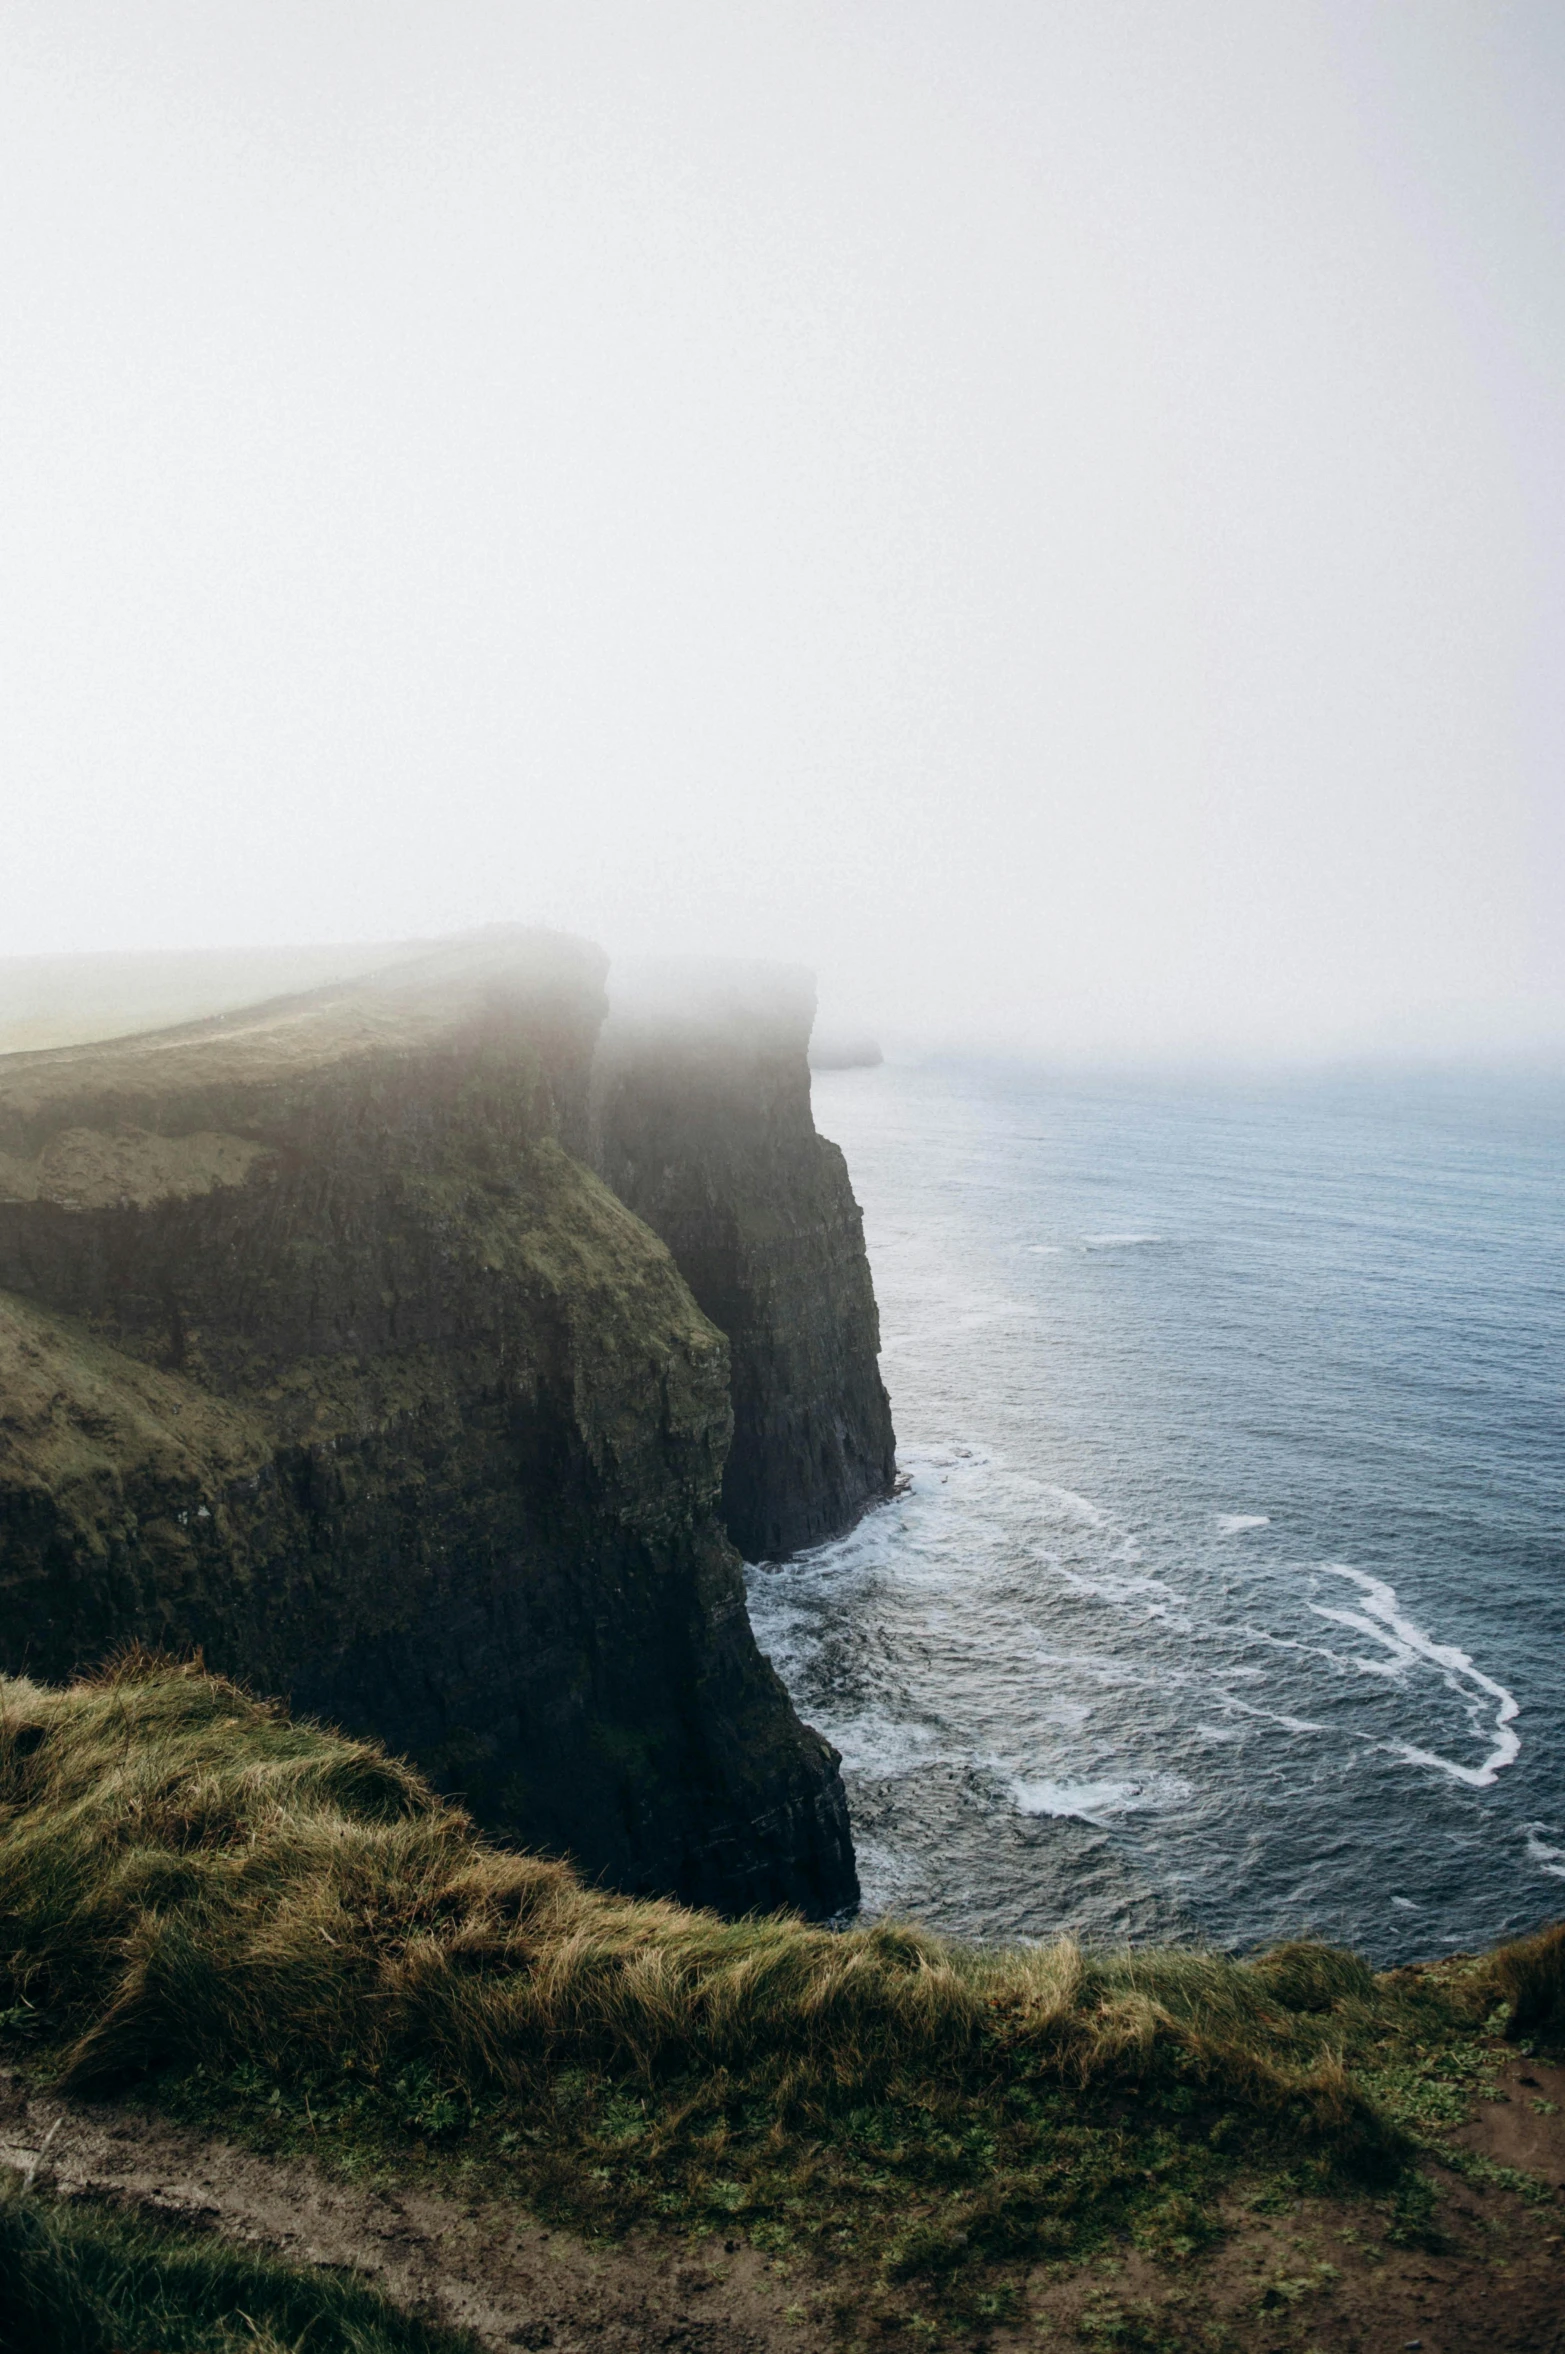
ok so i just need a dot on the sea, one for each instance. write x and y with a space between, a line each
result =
1223 1596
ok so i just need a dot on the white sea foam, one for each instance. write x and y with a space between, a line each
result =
1539 1852
1149 1596
1385 1624
1116 1589
998 1613
1271 1716
1089 1802
1390 1668
1086 1799
1111 1674
1074 1507
886 1747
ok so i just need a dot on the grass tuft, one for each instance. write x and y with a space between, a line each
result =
76 2279
186 1871
292 1934
1530 1976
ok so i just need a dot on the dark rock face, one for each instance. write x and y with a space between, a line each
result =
319 1348
703 1125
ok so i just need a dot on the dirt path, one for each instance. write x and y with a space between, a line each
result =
480 2265
1318 2280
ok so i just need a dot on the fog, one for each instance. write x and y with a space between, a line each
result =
1046 511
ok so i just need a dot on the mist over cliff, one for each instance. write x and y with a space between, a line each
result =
702 1123
323 1348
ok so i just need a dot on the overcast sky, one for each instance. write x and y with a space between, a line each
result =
1050 512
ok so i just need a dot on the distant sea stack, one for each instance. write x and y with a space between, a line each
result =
703 1125
843 1050
322 1349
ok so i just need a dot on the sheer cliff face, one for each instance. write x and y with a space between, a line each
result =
321 1349
703 1125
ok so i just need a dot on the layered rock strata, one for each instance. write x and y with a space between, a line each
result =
703 1125
320 1348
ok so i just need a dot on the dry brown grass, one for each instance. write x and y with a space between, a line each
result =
1530 1976
187 1875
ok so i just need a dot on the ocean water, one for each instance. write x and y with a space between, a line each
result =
1225 1595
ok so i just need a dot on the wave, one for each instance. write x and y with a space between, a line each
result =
1083 1799
956 1645
1149 1595
887 1747
1074 1507
1271 1716
1539 1852
1116 1242
1089 1802
1108 1671
1386 1625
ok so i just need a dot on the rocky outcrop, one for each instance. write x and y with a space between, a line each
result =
320 1348
703 1125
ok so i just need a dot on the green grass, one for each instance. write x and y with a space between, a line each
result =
1530 1976
83 2280
285 1931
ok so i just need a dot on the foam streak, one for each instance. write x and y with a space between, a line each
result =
1407 1643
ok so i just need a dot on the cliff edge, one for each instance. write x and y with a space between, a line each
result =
320 1348
702 1120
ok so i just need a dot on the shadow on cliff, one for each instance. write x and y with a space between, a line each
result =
323 1350
702 1123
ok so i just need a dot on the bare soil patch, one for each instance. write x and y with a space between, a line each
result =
1324 2280
1320 2277
1527 2128
481 2265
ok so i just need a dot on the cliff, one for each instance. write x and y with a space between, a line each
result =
703 1125
320 1348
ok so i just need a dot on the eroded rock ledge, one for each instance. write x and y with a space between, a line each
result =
322 1349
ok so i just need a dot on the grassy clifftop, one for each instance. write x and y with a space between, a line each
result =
322 1349
269 1920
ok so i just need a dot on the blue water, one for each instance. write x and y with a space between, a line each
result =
1226 1595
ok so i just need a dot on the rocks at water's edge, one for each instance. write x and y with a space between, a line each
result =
321 1348
703 1125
